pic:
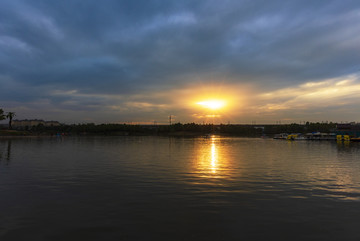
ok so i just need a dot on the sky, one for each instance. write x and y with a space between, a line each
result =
140 61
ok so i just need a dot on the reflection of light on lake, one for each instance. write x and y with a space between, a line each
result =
211 159
214 156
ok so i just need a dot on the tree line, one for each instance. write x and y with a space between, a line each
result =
179 129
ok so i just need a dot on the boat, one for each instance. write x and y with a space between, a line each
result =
281 136
295 137
320 136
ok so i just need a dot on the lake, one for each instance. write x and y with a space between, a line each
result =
161 188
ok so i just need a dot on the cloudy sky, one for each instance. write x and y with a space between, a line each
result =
139 61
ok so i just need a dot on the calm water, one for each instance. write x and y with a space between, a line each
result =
156 188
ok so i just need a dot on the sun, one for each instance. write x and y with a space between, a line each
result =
212 104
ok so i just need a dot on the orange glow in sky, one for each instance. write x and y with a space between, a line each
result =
212 104
215 103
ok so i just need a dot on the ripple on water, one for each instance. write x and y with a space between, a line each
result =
136 188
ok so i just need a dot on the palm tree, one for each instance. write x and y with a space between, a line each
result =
2 116
10 116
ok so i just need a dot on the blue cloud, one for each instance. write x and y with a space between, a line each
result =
130 47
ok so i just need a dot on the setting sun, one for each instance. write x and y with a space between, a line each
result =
212 104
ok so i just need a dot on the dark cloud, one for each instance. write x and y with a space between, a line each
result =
130 47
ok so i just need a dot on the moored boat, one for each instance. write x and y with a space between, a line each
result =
282 136
297 136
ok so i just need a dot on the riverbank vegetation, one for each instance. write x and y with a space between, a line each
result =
178 129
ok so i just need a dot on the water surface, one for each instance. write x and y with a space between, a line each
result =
157 188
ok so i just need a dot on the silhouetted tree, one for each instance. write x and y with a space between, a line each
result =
2 116
10 116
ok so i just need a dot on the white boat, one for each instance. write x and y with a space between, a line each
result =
282 136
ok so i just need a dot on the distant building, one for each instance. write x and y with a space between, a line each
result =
22 124
351 129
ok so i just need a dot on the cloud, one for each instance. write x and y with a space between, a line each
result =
334 99
113 52
11 43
